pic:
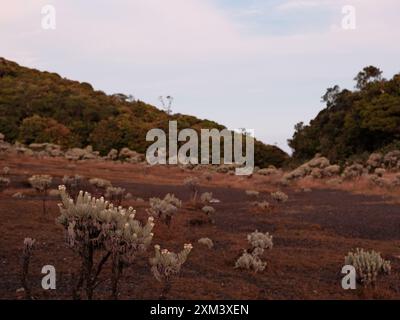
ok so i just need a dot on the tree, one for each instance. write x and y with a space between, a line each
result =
367 75
331 95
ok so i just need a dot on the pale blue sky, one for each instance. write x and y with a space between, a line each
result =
258 64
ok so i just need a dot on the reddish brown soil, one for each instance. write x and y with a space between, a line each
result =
312 232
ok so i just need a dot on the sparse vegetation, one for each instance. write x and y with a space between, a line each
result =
279 196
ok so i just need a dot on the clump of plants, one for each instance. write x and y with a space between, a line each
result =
74 184
264 206
279 196
251 259
206 197
94 227
206 242
209 211
41 183
100 184
166 264
252 193
368 265
115 194
4 183
164 209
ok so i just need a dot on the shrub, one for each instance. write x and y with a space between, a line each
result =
252 193
331 171
264 205
166 264
206 242
317 173
250 259
374 160
6 171
100 183
271 170
279 196
41 184
74 184
209 211
368 265
165 208
115 194
380 172
353 171
206 197
260 240
4 183
94 225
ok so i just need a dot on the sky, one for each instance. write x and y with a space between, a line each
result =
256 64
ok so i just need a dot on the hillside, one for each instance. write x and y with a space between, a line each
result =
354 123
38 106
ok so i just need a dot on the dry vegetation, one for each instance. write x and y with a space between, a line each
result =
315 222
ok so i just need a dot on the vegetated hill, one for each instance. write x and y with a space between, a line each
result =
353 123
40 106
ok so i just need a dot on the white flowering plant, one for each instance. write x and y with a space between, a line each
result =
368 265
96 225
164 209
166 264
251 259
41 183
